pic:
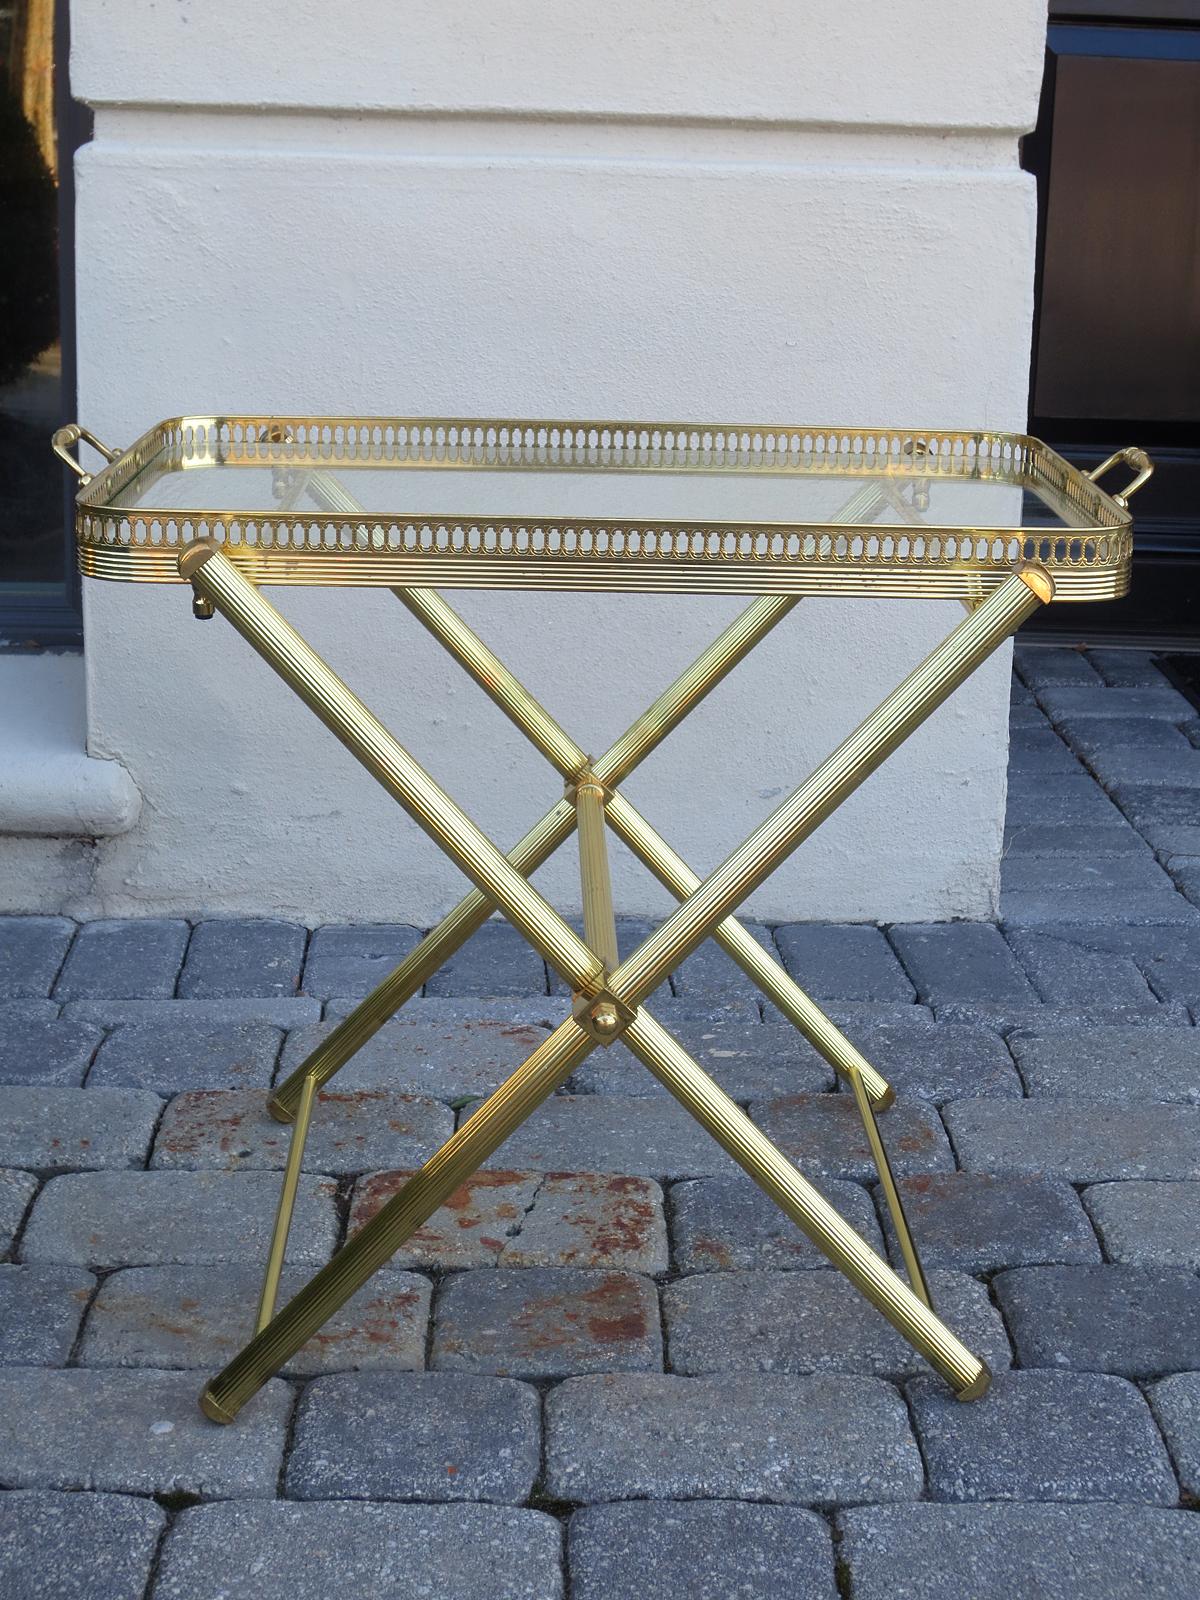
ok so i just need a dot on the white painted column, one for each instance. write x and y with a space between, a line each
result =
768 213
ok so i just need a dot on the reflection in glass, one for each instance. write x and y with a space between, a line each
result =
32 548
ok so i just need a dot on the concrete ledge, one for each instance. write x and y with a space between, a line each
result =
49 785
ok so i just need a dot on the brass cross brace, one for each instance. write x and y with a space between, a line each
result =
218 581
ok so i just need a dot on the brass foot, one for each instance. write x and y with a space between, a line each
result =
279 1111
213 1409
978 1387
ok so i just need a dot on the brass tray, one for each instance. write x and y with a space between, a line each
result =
671 507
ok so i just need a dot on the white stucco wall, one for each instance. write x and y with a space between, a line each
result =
767 212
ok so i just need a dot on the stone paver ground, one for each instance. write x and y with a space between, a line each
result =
608 1367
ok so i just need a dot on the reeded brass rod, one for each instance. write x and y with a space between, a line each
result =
730 647
561 750
599 923
508 692
803 1013
908 1249
747 630
967 1375
644 735
954 660
550 1065
434 950
287 1205
282 648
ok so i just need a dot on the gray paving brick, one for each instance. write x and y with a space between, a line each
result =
1079 1141
939 1063
124 959
1118 764
706 1549
1185 874
1126 669
961 961
135 1432
356 1132
201 1317
1147 1224
1019 695
843 961
748 1061
28 1011
1124 736
996 1552
32 949
812 1322
646 1138
1135 1321
1077 800
1073 839
124 1219
1039 752
1070 700
291 1012
591 1220
55 1129
820 1440
546 1322
1008 1020
1191 731
233 957
1168 817
974 1222
1083 876
631 932
424 1051
76 1546
353 960
1024 712
1092 735
47 1052
40 1312
1111 1064
1070 968
1176 1403
1046 666
464 1438
855 1015
824 1135
260 1550
729 1224
533 1011
169 1058
1100 903
494 960
17 1189
1168 957
1103 1445
710 971
470 1230
532 1219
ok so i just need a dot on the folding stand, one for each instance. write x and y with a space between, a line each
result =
1003 575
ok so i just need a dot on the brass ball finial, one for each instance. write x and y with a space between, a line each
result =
606 1019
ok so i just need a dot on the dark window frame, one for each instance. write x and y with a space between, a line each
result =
1164 607
56 619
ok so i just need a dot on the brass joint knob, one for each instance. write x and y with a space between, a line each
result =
606 1019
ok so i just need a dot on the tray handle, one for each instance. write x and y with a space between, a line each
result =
64 438
1137 461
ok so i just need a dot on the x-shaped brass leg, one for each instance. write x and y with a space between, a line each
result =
676 702
599 986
